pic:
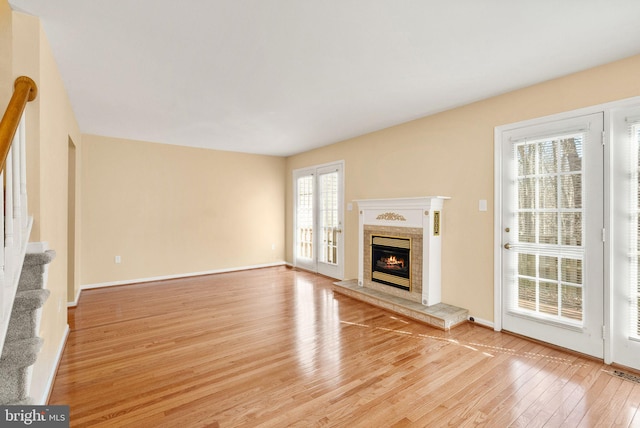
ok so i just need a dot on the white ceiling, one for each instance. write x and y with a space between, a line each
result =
284 76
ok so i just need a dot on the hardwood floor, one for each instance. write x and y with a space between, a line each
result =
275 347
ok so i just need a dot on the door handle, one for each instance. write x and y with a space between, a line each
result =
507 246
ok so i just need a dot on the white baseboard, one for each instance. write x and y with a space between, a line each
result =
75 301
46 393
482 322
181 275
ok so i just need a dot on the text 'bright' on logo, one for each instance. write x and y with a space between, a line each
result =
36 416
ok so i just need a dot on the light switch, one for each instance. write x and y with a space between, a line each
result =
482 205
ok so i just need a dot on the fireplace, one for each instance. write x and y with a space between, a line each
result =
391 261
399 250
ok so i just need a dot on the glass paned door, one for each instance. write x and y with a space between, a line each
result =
328 217
626 237
552 220
304 217
330 213
318 219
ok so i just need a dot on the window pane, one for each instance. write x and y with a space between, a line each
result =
571 224
572 271
548 228
526 227
526 193
549 298
572 302
637 316
549 267
547 153
571 191
549 192
526 156
526 294
571 154
527 265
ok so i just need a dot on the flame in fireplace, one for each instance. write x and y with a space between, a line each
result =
392 261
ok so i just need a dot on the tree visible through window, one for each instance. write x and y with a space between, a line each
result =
550 218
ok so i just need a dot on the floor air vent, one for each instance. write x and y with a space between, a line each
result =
626 376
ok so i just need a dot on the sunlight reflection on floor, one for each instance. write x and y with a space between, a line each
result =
487 350
318 339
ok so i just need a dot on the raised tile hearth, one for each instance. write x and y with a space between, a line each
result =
440 315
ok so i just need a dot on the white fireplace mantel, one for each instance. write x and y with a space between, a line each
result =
419 212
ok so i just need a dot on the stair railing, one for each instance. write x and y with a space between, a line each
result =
15 223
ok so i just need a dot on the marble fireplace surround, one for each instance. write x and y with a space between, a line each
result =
416 218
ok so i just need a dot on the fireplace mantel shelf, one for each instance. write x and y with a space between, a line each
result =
399 203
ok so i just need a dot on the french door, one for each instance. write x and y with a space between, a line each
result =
626 237
318 219
552 232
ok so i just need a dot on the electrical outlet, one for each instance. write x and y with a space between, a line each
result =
118 259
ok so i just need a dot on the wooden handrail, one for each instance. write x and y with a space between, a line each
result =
24 90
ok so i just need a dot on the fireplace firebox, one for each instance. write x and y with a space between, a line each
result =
390 261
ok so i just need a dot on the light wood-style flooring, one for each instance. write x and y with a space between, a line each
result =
276 347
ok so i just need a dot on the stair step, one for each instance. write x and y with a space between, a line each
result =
13 388
22 325
30 300
24 316
44 258
33 270
17 354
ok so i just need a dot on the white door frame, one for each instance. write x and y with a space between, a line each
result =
606 109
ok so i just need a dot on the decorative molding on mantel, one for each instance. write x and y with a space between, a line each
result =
422 212
391 216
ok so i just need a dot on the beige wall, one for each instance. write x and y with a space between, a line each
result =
452 154
6 49
169 210
57 125
50 124
26 61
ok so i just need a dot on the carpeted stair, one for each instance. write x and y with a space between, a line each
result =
22 345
